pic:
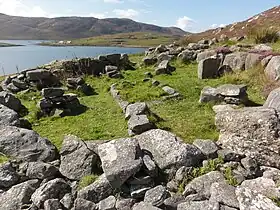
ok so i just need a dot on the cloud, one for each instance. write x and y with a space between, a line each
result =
114 1
18 8
184 22
129 13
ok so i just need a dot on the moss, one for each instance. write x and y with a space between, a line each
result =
3 159
230 178
87 180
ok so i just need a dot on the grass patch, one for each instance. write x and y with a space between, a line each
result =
187 118
3 159
103 119
136 39
87 180
263 35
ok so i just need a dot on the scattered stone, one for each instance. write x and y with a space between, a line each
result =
155 83
194 205
223 70
209 94
75 82
10 101
52 92
187 56
148 75
148 61
120 160
116 95
138 108
208 68
138 124
26 145
266 60
164 56
164 68
228 155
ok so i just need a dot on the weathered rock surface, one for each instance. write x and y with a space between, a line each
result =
156 196
236 60
251 131
26 145
168 150
8 176
108 203
77 158
138 108
120 160
8 117
82 204
164 68
206 54
19 195
10 101
143 205
208 68
273 100
138 124
97 191
252 60
273 68
54 189
207 147
41 170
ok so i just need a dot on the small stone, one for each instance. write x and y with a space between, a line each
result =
108 203
207 147
156 196
52 204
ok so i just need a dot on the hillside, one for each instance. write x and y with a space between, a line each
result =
13 27
134 39
269 18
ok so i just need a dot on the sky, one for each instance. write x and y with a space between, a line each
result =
189 15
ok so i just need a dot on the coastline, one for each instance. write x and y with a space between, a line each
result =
90 45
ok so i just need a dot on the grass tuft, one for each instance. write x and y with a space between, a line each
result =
262 36
87 180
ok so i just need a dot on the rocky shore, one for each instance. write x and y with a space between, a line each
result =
153 168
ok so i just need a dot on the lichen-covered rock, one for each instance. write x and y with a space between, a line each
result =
54 189
8 117
77 159
252 60
206 54
207 147
19 195
236 60
250 200
120 160
82 204
186 56
168 150
138 108
201 185
251 131
273 100
138 124
272 69
26 145
97 191
108 203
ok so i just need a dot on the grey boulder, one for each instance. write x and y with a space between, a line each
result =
138 124
168 150
10 101
164 68
54 189
272 70
252 60
82 204
41 170
8 117
52 204
138 108
144 206
120 159
273 100
236 60
52 92
156 196
26 145
207 147
108 203
208 68
8 175
19 195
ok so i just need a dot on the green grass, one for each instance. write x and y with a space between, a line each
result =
103 119
3 159
137 39
187 118
87 180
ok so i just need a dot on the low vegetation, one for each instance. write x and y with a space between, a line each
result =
263 35
104 119
3 158
137 39
87 180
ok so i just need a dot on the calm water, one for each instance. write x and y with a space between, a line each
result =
32 55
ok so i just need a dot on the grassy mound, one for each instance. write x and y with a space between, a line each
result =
104 119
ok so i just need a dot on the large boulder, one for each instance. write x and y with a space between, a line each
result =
10 101
272 70
8 117
187 56
252 60
19 195
26 145
236 60
54 189
206 54
120 159
168 150
273 100
252 131
97 191
78 158
42 78
208 68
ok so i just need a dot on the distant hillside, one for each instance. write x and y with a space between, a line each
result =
267 19
13 27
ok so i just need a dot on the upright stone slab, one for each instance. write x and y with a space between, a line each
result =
208 68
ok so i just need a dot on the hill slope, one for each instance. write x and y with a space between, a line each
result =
269 19
13 27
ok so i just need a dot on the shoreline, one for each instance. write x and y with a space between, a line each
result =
89 45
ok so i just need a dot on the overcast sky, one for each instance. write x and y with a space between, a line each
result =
190 15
